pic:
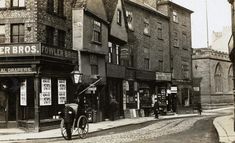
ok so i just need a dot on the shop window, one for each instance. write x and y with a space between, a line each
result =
186 100
50 6
2 33
218 79
17 33
129 17
61 38
2 3
97 31
146 63
159 31
50 35
119 17
60 7
18 3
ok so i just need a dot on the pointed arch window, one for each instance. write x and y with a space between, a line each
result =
230 79
218 79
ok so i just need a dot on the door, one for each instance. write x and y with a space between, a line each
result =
3 109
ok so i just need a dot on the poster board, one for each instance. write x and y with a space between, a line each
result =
45 96
62 91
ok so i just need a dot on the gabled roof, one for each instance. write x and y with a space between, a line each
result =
95 7
110 6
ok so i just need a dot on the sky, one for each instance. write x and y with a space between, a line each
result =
219 15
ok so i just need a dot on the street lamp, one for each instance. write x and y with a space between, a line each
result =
76 75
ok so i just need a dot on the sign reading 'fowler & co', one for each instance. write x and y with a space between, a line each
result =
36 49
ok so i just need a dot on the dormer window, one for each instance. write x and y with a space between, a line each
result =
119 17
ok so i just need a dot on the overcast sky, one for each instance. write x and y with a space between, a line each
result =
219 15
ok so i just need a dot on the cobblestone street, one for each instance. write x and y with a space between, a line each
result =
157 129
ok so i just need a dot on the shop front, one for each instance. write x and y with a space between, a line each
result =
35 83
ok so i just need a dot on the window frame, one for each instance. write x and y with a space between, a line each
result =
175 16
146 63
97 38
146 27
61 38
159 31
119 17
3 4
3 36
94 63
50 31
129 18
18 4
18 34
50 6
60 8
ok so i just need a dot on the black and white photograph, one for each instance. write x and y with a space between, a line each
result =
117 71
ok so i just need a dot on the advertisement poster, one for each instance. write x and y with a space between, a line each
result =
62 91
45 96
23 93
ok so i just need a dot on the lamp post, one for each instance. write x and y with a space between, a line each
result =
76 75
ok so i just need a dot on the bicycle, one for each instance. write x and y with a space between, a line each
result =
73 122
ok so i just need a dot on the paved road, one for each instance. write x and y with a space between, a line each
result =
182 130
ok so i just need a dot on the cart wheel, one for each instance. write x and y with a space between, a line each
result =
83 126
65 131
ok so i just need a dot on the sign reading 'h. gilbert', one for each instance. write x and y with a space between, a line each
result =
36 49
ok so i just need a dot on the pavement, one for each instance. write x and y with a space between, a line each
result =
224 126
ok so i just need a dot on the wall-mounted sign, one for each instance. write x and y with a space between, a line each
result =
17 70
36 49
45 95
161 76
62 91
23 93
173 89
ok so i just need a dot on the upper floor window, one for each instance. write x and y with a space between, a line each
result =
61 7
2 33
2 3
160 65
184 41
50 6
118 54
176 40
146 63
230 79
119 17
110 52
17 33
97 31
18 3
94 64
129 18
50 35
159 30
146 26
175 17
61 38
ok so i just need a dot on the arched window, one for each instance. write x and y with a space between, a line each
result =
218 79
230 79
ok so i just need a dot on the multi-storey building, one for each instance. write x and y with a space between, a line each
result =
216 73
90 39
35 61
181 51
116 55
148 64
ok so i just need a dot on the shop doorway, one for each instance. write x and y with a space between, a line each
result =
3 108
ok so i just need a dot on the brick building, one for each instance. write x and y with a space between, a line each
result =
36 61
215 70
90 39
148 67
181 52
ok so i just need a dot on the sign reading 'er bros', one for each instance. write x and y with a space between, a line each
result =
36 49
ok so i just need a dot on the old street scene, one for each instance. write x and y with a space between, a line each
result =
117 71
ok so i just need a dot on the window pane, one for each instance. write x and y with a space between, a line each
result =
14 39
2 29
15 30
2 4
2 38
15 3
61 7
21 3
21 29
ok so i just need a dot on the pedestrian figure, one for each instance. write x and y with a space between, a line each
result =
199 108
156 109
